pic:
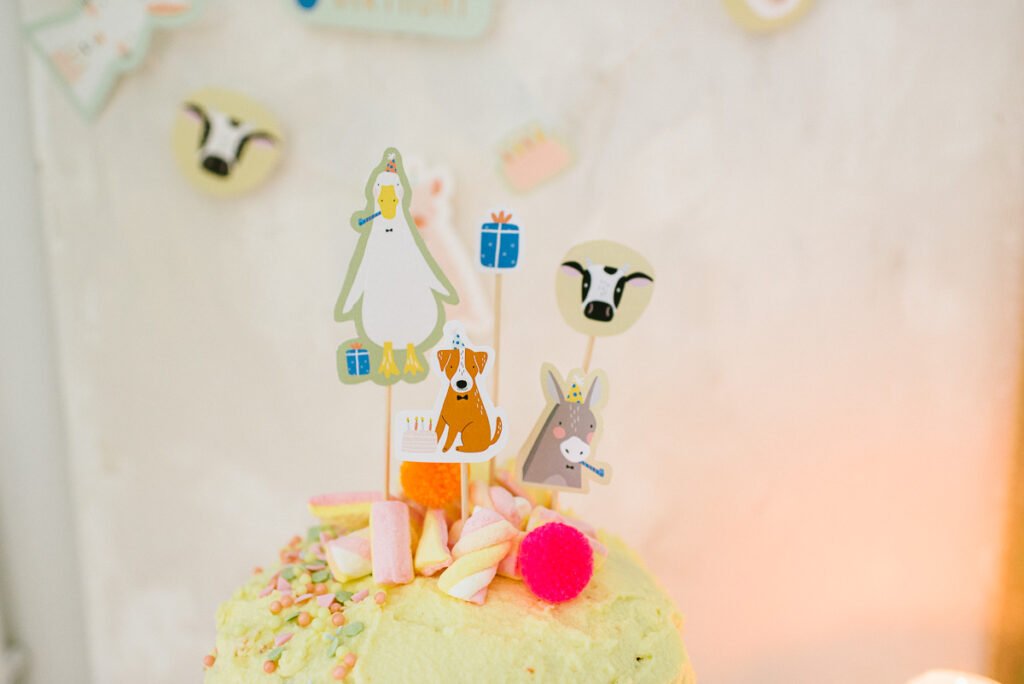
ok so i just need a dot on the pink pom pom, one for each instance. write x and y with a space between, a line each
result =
556 562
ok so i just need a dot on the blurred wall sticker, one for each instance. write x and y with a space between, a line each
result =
531 158
225 143
443 18
560 451
464 426
89 46
394 291
767 15
431 208
603 287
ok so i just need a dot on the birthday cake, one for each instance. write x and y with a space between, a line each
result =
459 579
330 610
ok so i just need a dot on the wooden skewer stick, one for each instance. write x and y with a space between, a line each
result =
464 482
497 358
588 355
387 446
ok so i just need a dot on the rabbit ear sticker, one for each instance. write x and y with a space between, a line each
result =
225 143
464 426
394 290
603 287
767 15
561 452
91 46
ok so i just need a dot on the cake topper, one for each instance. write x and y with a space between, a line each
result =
464 426
225 143
88 47
559 454
602 288
532 157
394 291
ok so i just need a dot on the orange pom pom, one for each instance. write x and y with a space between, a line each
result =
434 485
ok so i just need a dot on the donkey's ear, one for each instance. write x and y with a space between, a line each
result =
595 393
552 388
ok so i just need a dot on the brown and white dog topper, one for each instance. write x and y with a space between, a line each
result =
463 411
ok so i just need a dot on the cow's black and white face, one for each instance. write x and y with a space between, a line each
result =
603 287
223 139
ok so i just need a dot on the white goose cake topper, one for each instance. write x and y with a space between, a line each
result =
394 290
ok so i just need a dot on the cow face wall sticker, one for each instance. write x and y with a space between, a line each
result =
225 143
561 451
603 287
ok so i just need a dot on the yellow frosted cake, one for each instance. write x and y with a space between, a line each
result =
308 620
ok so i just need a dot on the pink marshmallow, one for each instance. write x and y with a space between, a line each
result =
391 543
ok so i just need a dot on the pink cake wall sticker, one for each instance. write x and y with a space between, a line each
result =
533 157
464 426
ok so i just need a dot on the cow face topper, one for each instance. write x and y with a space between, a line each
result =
464 426
225 143
561 451
603 287
91 46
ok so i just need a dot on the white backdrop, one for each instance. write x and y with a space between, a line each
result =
810 427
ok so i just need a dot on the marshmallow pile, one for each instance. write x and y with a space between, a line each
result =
396 540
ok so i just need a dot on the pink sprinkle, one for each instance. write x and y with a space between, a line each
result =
360 595
380 597
283 639
303 598
349 660
266 592
325 600
282 584
314 567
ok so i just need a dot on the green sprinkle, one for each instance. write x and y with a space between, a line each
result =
293 617
332 648
289 573
321 576
275 653
352 628
342 596
313 534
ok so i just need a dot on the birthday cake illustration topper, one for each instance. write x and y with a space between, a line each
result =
394 290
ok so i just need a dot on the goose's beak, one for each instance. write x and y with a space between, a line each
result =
388 202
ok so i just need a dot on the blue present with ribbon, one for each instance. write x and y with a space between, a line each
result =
357 360
499 242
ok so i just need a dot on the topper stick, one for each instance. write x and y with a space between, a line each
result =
464 484
497 357
387 445
589 354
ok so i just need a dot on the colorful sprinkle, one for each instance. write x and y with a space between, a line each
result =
270 667
283 639
340 672
321 576
349 660
380 597
287 601
209 660
352 628
276 607
305 619
360 595
275 653
338 619
325 600
343 596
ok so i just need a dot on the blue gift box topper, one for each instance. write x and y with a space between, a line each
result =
357 360
499 242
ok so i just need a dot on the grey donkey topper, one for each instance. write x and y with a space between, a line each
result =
560 452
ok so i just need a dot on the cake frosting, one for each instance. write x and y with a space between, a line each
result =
622 628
